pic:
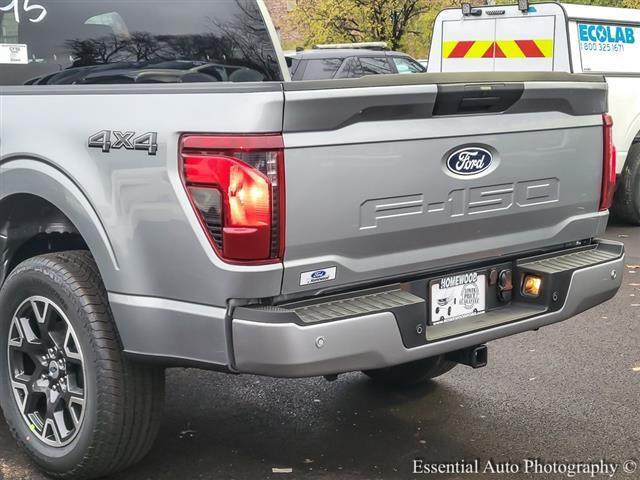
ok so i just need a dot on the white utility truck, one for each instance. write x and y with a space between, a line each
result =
556 37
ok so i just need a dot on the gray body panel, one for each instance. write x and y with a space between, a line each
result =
157 327
136 201
349 151
384 205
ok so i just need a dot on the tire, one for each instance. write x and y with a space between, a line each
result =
96 412
627 200
412 374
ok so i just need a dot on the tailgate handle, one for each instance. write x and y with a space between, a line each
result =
476 104
475 99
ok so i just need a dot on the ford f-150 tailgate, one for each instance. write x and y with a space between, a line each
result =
391 177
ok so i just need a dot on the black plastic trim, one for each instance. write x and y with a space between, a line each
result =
476 99
440 79
175 362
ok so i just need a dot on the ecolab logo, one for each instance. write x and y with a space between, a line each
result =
606 34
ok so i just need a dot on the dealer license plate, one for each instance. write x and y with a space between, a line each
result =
457 296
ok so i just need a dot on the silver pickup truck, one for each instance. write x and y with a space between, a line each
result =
169 199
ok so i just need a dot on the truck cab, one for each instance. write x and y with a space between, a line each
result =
554 37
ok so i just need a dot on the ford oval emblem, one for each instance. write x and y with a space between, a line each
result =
318 274
469 161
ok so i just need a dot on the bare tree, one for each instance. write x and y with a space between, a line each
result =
361 20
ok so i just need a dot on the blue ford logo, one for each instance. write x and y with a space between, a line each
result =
319 274
469 161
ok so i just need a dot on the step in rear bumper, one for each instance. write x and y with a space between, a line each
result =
266 342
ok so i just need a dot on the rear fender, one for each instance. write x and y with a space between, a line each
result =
36 177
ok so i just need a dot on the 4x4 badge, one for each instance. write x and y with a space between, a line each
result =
107 140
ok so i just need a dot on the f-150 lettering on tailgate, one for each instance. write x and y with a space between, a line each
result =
469 201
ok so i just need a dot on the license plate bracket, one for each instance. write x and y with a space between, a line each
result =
457 296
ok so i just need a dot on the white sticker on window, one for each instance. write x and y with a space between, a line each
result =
318 276
609 48
35 13
13 54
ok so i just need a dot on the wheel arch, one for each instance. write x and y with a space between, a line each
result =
43 210
633 134
632 139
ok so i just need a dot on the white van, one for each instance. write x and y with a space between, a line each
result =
557 37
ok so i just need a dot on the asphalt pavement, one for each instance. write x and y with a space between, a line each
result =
569 393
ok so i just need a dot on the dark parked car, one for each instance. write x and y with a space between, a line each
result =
325 64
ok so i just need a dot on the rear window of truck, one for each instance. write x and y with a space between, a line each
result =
63 42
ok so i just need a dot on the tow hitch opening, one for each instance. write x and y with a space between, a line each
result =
474 357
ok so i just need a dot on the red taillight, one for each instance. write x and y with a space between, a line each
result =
236 186
609 165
